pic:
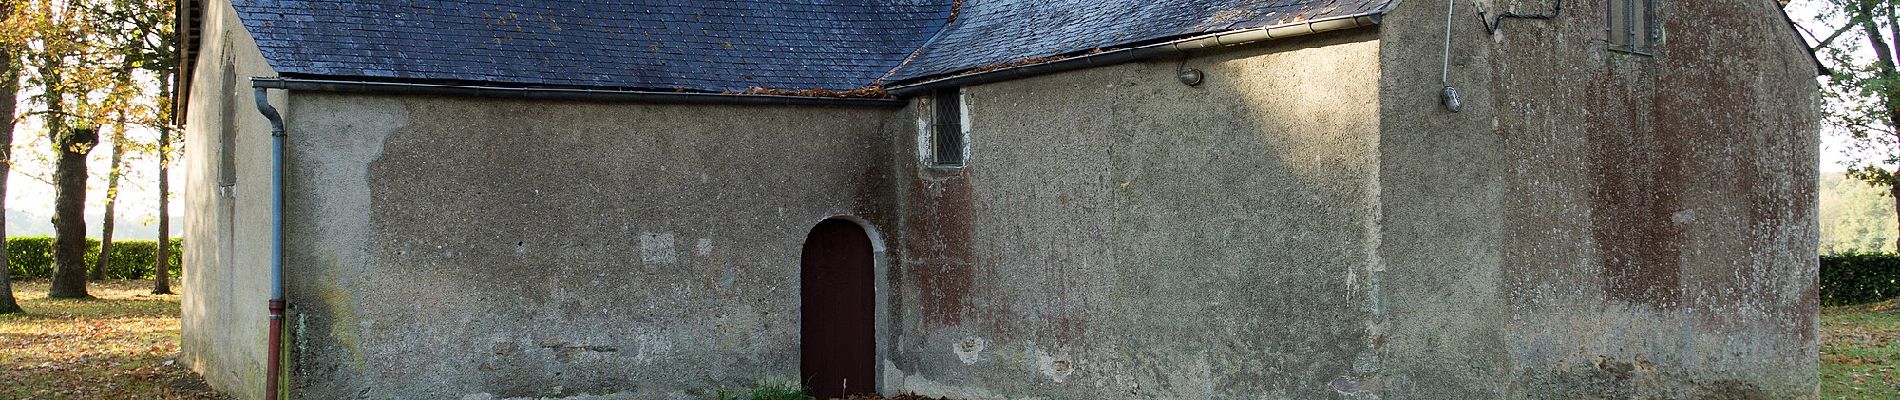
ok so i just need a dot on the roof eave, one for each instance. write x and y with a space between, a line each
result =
1227 39
575 94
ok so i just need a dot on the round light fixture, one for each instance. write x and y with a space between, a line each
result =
1451 100
1191 77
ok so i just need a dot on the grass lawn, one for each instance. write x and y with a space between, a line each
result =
1860 352
118 346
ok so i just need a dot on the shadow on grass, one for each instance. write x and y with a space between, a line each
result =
120 344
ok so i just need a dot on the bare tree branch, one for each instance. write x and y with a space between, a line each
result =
1860 15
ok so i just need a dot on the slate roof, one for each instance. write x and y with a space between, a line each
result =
721 45
990 32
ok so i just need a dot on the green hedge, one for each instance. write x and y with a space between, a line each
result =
1859 278
32 257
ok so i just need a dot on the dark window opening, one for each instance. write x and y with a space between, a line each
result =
1632 26
946 134
227 130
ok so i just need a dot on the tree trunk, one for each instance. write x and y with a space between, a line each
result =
1894 192
9 96
161 270
69 213
1885 64
112 196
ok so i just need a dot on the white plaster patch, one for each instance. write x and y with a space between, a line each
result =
893 378
650 348
1354 386
922 386
924 114
970 349
657 249
727 279
704 247
303 340
1056 366
1683 217
611 396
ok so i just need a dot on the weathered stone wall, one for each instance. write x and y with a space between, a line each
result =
1598 223
443 247
1118 234
1309 223
226 227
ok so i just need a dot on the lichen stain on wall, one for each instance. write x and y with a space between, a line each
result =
1696 137
1637 171
939 240
337 301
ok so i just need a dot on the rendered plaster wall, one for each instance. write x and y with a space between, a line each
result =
226 225
453 247
1118 234
1598 224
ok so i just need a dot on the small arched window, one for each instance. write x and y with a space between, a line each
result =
227 129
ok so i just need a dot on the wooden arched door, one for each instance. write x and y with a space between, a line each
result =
837 304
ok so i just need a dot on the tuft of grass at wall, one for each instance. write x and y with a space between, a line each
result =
769 389
31 257
784 389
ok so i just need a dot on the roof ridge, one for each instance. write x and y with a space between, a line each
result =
955 7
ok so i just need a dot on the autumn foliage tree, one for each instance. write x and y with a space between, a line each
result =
61 63
88 64
140 34
150 44
85 64
1863 87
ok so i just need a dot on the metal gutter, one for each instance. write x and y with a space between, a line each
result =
1119 56
629 96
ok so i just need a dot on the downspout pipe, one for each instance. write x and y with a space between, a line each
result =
274 365
601 95
1132 54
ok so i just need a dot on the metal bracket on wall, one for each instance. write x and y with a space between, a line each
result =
1491 25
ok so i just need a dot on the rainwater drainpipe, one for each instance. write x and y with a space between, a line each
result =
273 369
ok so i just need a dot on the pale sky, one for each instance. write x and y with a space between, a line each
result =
29 192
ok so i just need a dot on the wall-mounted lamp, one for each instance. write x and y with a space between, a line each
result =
1191 77
1451 100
